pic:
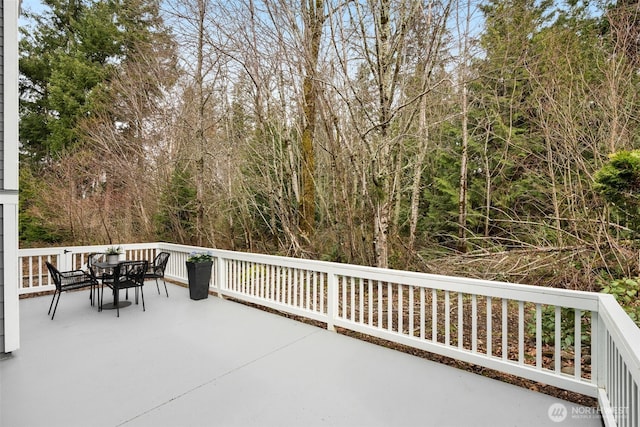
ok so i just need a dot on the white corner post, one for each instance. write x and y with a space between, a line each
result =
9 189
332 300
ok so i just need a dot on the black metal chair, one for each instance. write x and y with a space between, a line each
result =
95 257
126 275
68 281
97 273
156 270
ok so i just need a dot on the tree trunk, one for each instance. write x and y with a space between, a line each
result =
312 35
462 199
201 141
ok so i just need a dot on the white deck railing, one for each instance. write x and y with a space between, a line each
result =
492 324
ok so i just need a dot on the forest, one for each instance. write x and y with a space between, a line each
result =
492 139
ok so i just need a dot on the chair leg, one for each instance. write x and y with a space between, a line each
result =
157 286
142 295
56 306
52 299
91 297
116 300
165 287
100 295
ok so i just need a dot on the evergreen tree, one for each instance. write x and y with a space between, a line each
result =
68 56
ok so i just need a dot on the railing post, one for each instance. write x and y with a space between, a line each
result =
332 300
65 260
221 275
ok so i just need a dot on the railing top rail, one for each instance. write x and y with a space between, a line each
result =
84 249
536 294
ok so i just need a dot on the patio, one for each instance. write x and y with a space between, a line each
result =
217 362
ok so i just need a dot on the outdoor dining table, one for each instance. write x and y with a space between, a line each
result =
106 266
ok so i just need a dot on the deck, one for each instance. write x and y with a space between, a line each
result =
218 363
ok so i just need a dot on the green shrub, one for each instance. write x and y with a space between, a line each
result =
567 327
625 291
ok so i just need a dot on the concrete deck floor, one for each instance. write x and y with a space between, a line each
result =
218 363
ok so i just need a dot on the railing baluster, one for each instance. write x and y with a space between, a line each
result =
380 315
307 286
289 284
344 297
626 387
557 340
489 327
239 279
634 409
460 320
301 288
447 319
400 314
245 283
296 285
270 281
577 344
324 288
389 307
619 372
411 311
254 289
434 315
422 313
361 300
370 296
279 284
253 283
315 291
474 323
259 280
521 332
21 272
352 298
538 336
31 272
505 329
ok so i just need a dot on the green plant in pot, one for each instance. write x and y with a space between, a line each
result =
113 254
199 274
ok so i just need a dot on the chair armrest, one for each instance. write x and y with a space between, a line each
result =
75 276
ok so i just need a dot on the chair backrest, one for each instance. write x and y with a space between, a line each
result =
160 261
94 258
56 275
130 271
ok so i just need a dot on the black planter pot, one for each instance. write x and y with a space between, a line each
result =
199 274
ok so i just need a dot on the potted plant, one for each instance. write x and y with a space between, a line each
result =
199 274
113 254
